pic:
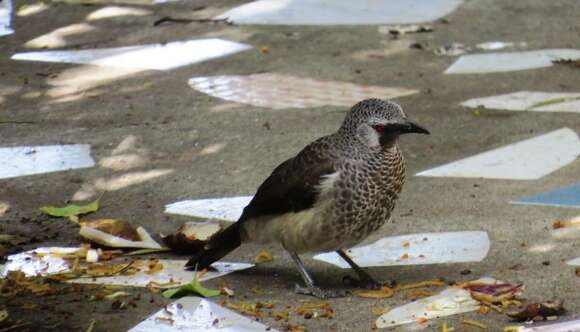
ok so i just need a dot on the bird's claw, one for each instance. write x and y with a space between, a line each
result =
319 292
368 283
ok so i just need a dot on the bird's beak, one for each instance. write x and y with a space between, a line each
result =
412 127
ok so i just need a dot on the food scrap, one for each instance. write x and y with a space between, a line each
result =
263 256
117 234
192 236
475 323
548 310
492 291
382 293
446 328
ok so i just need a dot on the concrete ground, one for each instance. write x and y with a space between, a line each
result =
169 125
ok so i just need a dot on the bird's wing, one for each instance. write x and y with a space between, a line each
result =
293 185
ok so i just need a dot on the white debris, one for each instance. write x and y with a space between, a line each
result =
49 261
229 209
92 256
152 56
529 101
417 249
509 61
40 261
449 302
197 314
30 160
525 160
339 12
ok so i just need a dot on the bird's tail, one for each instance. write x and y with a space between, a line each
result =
218 246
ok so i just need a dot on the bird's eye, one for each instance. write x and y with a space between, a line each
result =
379 128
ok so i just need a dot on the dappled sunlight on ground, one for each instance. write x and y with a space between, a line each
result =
542 247
113 11
4 207
125 156
7 90
32 9
123 162
211 149
57 37
72 84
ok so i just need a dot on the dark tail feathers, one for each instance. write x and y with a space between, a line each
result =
220 245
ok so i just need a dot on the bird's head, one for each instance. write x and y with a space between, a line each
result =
378 122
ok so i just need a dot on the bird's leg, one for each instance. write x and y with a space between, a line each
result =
365 280
310 288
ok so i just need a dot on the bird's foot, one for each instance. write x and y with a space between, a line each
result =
319 292
367 282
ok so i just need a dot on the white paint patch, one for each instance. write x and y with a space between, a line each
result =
229 209
339 12
172 275
6 17
529 101
511 61
526 160
153 56
197 314
574 262
449 302
281 91
417 249
29 160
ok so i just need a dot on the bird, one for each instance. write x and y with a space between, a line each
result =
331 196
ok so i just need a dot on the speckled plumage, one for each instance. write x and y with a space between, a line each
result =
359 200
332 195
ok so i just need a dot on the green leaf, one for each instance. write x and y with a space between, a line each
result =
70 210
193 288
